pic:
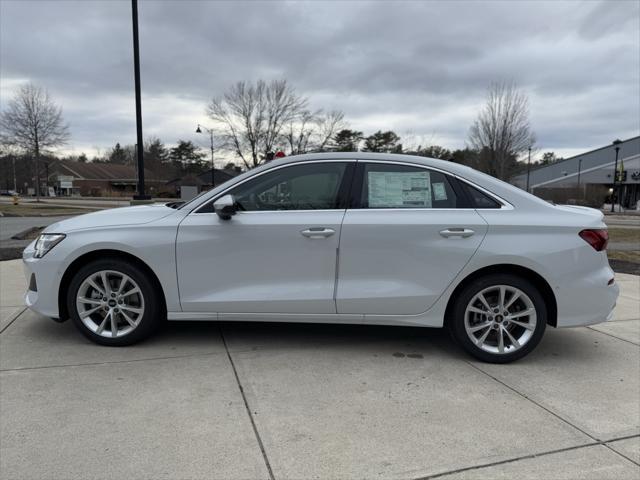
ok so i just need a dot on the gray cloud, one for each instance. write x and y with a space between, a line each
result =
419 67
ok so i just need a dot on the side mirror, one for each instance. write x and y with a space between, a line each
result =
225 207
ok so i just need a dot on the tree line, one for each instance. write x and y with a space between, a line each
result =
251 120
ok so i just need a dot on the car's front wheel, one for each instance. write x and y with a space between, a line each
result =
113 302
498 318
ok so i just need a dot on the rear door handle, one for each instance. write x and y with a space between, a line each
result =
318 232
457 232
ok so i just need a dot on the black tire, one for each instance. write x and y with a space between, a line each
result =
149 320
456 320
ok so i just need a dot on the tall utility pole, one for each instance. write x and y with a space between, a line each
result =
136 69
579 170
37 153
15 184
616 144
528 169
46 179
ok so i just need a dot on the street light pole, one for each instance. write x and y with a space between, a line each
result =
528 169
579 169
210 130
136 71
15 184
616 143
213 178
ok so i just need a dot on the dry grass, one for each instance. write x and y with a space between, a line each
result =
625 235
31 209
627 256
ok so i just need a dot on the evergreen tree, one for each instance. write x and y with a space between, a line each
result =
155 155
187 158
380 141
346 141
118 155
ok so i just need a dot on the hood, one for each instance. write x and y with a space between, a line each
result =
112 217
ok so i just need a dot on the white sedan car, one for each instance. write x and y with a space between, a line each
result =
339 238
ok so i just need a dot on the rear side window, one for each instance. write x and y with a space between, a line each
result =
402 186
479 199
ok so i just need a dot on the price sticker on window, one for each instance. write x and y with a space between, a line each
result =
439 192
399 189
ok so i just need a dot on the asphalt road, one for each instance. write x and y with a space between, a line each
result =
9 226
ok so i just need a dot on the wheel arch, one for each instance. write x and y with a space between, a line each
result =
527 273
102 254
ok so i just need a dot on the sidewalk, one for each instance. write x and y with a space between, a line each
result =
293 401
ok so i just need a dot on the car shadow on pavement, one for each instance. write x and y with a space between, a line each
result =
570 346
558 345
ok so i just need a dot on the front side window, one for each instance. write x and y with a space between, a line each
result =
402 186
311 186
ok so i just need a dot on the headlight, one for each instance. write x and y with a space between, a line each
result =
46 242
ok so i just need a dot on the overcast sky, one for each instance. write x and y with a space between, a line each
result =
419 68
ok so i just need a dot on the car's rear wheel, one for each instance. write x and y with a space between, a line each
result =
498 318
113 302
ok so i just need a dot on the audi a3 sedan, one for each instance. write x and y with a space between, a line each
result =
354 238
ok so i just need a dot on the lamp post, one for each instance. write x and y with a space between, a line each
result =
579 169
210 131
46 180
136 73
528 169
616 144
15 184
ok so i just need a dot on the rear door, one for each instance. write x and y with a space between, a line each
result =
407 234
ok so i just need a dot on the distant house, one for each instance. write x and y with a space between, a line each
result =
68 177
202 181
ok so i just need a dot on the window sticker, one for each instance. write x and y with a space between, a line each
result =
399 189
439 192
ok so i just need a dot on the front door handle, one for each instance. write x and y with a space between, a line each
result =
457 232
318 232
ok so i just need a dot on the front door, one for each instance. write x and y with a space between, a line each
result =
407 237
277 254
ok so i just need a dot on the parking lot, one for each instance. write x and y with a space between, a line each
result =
286 401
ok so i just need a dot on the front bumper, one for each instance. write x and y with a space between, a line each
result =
47 272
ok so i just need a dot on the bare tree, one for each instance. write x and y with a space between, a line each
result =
502 130
313 132
33 122
299 132
251 117
328 125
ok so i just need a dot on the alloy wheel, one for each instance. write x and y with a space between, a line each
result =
110 303
500 319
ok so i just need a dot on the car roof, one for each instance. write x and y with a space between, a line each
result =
387 157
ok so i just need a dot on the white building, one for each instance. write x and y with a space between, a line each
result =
588 178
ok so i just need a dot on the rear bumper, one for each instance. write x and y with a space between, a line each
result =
588 299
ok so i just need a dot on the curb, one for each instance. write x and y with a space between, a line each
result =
11 253
45 214
25 233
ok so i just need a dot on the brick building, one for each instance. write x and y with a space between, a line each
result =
69 177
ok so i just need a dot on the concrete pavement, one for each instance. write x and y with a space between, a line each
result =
287 401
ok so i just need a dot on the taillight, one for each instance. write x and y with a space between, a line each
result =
597 238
